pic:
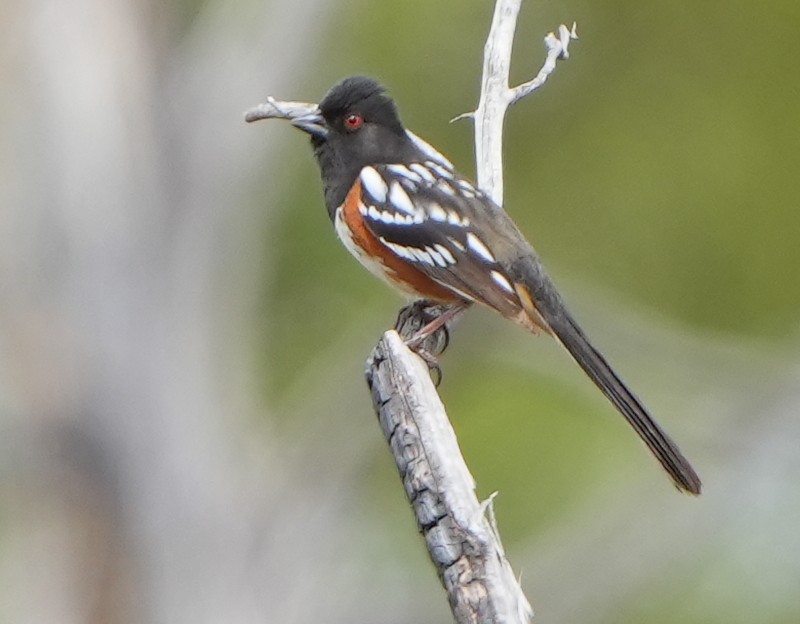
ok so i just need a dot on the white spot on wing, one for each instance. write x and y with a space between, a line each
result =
423 172
456 243
476 244
466 188
464 185
437 257
422 256
404 172
400 199
401 251
440 171
374 213
374 184
445 253
501 281
443 186
437 213
387 217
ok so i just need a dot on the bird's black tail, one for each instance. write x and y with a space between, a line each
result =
551 309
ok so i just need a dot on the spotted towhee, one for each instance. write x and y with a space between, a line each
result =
404 212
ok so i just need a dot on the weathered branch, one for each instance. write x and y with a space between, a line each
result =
462 542
497 96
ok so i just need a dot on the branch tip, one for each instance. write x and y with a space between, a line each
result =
469 115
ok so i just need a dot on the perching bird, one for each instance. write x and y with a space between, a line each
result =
403 211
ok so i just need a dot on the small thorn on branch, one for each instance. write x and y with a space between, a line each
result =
468 115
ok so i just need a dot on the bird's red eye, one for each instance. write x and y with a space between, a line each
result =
353 121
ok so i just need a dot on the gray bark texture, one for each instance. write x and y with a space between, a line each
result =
461 541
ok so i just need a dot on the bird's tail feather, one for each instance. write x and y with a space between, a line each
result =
570 335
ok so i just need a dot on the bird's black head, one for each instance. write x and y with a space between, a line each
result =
357 107
357 125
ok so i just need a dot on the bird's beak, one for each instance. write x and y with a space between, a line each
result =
313 123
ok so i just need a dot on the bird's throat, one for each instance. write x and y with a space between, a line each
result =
337 175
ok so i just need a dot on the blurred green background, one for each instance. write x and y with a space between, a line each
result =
186 431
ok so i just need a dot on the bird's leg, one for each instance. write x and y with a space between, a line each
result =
437 322
423 326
